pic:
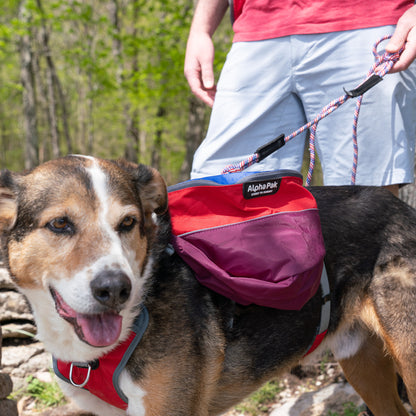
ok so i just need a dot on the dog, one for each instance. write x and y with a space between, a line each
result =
87 242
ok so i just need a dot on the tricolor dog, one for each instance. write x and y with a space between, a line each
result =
87 241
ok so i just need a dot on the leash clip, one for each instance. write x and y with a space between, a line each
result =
365 86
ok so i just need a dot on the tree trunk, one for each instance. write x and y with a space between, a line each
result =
130 117
157 145
54 88
408 193
29 94
194 133
53 120
4 140
90 121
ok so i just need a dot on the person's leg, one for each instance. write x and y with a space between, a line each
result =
386 124
253 105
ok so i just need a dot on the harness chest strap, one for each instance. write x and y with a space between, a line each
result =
93 376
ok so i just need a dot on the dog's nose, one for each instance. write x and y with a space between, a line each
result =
111 288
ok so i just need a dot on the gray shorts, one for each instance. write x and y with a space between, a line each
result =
275 86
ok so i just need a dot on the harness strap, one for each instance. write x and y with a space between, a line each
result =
325 312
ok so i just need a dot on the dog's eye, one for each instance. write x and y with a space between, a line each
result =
61 226
127 224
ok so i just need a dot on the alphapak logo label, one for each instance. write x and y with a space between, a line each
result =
260 188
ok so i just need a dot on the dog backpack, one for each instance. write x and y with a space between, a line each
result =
252 237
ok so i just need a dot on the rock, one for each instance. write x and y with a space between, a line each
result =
5 280
320 402
8 408
6 385
23 360
13 306
15 356
45 376
26 409
15 330
15 314
67 410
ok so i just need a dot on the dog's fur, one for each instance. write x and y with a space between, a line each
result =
73 222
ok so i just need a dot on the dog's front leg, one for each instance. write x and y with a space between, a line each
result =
135 395
160 397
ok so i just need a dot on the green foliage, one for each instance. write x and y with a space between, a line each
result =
122 79
46 394
350 409
259 402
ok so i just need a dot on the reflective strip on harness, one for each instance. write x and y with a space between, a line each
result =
325 313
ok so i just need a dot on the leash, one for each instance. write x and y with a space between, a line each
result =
382 65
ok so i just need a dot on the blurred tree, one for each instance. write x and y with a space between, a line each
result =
102 77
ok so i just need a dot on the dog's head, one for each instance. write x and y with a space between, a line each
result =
77 234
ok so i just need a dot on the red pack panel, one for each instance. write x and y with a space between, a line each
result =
199 207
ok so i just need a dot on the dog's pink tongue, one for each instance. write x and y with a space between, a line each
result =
100 330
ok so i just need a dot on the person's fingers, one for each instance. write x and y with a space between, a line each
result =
404 37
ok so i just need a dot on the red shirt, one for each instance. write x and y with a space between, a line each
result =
266 19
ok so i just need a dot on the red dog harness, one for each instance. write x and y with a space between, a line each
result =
93 376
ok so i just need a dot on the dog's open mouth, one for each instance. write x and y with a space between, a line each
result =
97 330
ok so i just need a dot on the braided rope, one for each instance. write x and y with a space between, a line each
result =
382 65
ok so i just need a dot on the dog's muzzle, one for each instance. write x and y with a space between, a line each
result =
111 289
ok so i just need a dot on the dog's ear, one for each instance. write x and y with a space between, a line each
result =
153 191
150 185
8 201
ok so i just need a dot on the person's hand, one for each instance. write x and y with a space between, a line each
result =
404 36
198 68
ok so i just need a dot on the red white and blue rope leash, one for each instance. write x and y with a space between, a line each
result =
382 65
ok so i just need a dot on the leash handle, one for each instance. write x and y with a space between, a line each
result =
382 65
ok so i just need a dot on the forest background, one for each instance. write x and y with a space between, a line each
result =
104 78
100 77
